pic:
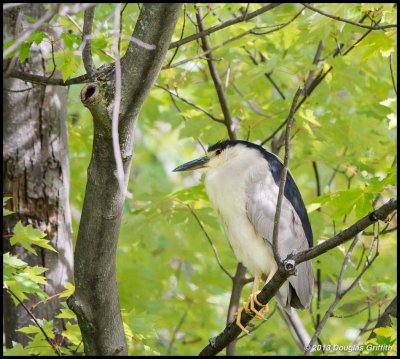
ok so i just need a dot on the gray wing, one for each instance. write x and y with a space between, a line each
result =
261 198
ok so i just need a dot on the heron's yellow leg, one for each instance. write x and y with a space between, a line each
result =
251 300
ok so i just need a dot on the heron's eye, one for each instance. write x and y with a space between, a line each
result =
217 152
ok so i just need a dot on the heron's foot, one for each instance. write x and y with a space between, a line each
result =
248 306
265 308
238 315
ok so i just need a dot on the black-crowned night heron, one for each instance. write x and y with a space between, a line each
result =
242 182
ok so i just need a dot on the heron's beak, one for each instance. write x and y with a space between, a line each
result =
192 165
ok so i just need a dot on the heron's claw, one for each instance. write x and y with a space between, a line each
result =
251 308
265 308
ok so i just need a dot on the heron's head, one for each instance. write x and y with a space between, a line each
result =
218 155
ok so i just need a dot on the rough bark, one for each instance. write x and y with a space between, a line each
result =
36 176
96 296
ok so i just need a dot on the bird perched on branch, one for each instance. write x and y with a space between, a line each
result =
242 182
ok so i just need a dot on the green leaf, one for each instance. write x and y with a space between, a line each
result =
70 39
13 261
70 66
37 37
66 313
24 51
99 44
7 212
73 333
16 350
69 291
28 236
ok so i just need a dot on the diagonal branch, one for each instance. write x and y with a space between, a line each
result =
277 27
197 107
271 288
225 24
217 81
52 344
348 21
210 241
311 86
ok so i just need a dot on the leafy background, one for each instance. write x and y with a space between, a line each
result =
167 272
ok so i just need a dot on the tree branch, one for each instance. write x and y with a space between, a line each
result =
348 21
86 36
56 350
197 107
251 31
217 81
341 293
210 241
225 24
238 282
271 288
314 83
176 330
391 73
282 181
42 80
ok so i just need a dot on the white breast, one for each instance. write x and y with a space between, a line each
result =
226 187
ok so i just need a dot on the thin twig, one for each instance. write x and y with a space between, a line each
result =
350 315
217 81
336 169
251 31
77 347
16 91
120 27
348 21
391 73
225 24
117 102
341 293
313 84
56 350
53 60
197 107
182 32
282 181
70 18
278 27
210 241
179 325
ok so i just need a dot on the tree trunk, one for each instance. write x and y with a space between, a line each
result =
95 300
36 176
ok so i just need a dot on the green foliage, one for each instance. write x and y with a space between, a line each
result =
28 236
347 126
24 282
